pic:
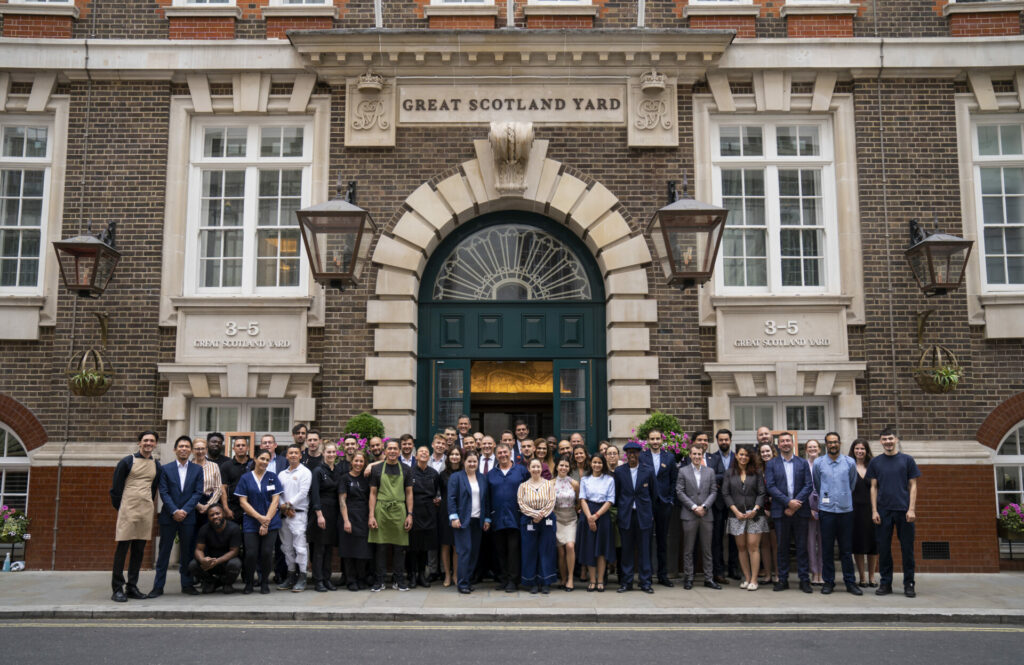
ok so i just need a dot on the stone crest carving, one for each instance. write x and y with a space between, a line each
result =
510 143
652 111
370 111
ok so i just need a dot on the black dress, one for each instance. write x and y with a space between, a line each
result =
445 535
357 499
323 496
863 528
426 486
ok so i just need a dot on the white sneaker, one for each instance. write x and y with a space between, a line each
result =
743 584
752 586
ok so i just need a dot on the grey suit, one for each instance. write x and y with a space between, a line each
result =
689 495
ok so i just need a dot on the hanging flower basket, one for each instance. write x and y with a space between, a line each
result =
938 370
89 374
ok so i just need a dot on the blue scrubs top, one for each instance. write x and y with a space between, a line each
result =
259 495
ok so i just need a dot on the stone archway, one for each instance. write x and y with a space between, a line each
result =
522 178
1000 421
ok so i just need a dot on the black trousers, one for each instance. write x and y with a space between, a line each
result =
662 518
508 548
895 520
137 547
397 562
321 561
259 549
717 553
355 570
225 573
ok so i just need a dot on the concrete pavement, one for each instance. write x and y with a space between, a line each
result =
942 598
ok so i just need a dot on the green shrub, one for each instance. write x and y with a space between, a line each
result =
658 420
366 425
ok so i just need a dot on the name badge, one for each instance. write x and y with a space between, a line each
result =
529 527
270 487
645 484
547 522
826 500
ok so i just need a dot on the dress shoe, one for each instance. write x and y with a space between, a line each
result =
189 591
118 596
320 587
805 586
156 593
908 590
854 589
827 588
464 590
623 588
511 587
423 582
711 584
647 589
883 590
208 588
534 590
688 584
666 582
721 579
353 586
545 589
330 585
265 588
781 585
248 589
227 589
133 592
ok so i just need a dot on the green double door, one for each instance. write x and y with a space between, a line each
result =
539 362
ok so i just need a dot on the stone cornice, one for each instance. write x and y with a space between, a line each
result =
339 54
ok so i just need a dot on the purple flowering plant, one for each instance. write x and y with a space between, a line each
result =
15 525
1011 517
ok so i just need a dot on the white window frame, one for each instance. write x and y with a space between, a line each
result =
721 2
204 3
15 464
559 2
450 3
300 3
779 404
244 407
771 163
41 2
33 163
1016 432
979 161
251 164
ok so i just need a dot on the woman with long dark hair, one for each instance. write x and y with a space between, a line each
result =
259 492
322 530
467 512
446 538
769 544
353 538
744 491
595 543
865 547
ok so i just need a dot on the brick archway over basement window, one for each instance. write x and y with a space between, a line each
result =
1000 421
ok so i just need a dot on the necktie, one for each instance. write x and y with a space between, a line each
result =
487 464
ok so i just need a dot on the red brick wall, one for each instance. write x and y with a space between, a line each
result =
202 27
462 22
85 537
277 26
559 22
985 24
956 504
1000 421
819 26
22 421
37 27
743 25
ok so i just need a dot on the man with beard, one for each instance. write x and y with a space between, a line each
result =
216 563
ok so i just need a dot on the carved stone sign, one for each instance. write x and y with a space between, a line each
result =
370 113
768 334
236 335
540 103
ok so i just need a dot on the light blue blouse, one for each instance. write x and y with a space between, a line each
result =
599 489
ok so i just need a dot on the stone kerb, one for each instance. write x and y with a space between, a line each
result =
586 207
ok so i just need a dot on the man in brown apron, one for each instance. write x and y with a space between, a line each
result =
132 495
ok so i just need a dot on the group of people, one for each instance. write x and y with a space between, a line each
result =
530 513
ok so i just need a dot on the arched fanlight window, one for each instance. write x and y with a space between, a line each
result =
1010 468
511 262
14 469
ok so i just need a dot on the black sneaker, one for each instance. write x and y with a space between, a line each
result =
377 587
883 590
908 590
402 586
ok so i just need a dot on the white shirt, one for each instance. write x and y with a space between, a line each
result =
486 463
437 464
474 490
182 472
656 461
407 462
295 486
697 474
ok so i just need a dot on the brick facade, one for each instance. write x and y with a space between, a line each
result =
988 24
906 167
38 27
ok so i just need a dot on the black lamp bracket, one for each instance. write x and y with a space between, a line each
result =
917 233
350 191
107 236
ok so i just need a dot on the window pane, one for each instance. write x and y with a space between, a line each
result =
815 417
795 418
995 270
1009 447
785 140
743 418
1007 478
572 383
752 141
573 415
280 419
729 141
15 482
988 140
14 142
35 142
260 419
292 142
1015 270
1010 139
1013 181
991 181
809 144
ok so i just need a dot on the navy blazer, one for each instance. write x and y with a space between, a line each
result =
460 498
174 498
665 475
645 496
775 481
715 462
